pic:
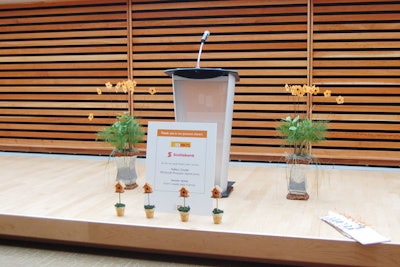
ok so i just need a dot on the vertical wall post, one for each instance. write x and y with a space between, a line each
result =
310 29
130 50
310 59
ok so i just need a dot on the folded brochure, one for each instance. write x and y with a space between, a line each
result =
353 229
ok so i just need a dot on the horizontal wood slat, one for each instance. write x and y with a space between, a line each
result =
54 55
217 4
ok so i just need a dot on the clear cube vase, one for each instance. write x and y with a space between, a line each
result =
297 178
126 170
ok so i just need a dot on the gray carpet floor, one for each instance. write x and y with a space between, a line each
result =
26 253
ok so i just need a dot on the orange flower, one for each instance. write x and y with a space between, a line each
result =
152 90
287 87
91 116
124 88
301 91
147 188
314 90
118 86
183 192
327 93
296 90
108 85
119 187
216 192
340 100
129 85
306 89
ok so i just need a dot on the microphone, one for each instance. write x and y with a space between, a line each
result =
205 36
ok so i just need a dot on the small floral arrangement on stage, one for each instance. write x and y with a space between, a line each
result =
120 207
299 133
148 189
125 131
148 208
184 192
216 193
217 212
119 188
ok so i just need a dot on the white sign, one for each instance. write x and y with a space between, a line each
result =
181 154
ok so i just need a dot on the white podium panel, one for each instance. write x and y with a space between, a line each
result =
206 95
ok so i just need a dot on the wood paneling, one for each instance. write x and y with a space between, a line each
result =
54 55
356 54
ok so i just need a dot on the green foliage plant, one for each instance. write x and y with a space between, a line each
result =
119 205
217 211
300 133
123 134
184 209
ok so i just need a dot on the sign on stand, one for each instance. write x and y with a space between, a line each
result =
181 154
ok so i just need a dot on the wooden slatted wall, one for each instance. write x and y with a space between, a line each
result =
265 41
357 55
52 58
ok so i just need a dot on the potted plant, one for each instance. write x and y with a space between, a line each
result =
217 213
148 208
123 135
299 133
184 210
119 206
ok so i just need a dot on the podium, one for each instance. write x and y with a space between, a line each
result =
206 95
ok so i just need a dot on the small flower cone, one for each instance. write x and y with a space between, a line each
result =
217 218
149 213
120 211
184 216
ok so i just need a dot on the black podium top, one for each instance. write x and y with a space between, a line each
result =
201 73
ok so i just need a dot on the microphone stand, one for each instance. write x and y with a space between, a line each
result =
203 40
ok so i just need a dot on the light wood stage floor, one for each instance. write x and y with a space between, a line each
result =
70 199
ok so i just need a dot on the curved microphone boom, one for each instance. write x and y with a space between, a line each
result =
203 40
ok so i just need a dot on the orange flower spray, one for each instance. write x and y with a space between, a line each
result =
119 188
148 189
216 193
184 192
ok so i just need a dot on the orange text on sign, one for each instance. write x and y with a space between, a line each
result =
182 133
